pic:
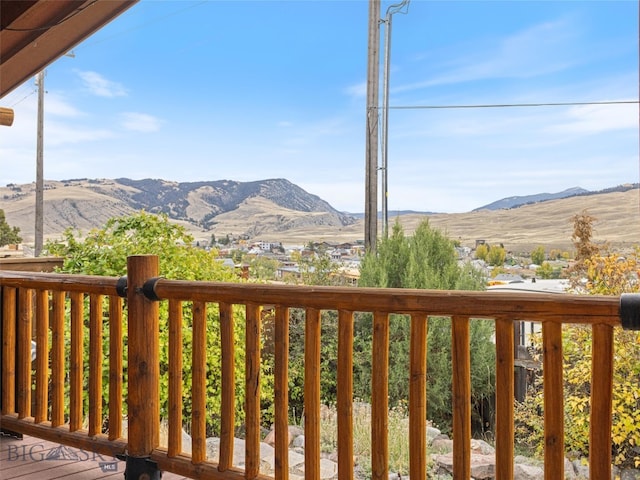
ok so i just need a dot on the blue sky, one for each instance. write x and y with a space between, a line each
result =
249 90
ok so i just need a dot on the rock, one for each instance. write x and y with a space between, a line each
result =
581 469
432 433
294 431
527 472
267 454
213 448
569 471
328 469
186 442
615 473
267 458
213 451
443 445
297 466
270 438
298 441
296 461
481 447
482 466
630 474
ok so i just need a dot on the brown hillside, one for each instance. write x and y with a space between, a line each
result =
83 206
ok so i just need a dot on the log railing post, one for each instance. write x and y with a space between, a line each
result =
143 370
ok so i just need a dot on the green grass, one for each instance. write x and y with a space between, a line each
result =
398 436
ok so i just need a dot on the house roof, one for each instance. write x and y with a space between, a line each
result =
34 33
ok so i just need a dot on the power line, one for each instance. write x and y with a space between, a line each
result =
150 21
510 105
25 97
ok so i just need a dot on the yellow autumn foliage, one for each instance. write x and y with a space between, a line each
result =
610 274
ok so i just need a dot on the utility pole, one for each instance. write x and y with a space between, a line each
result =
385 112
39 230
371 153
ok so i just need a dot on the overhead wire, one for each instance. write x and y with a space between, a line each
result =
25 97
143 25
512 105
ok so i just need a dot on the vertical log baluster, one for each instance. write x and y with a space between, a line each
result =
9 343
42 356
198 383
553 401
252 395
24 352
281 342
461 358
312 395
175 378
504 398
418 397
601 402
75 361
116 354
57 358
228 355
345 395
95 364
380 397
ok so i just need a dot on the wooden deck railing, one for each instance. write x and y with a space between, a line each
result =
47 419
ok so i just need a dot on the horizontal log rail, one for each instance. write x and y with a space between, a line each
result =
539 307
35 303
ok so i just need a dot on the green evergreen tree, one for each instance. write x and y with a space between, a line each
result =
427 260
8 234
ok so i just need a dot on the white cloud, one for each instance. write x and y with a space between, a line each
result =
589 119
58 134
100 86
358 90
60 107
539 50
140 122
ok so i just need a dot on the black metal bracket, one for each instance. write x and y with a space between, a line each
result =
149 289
121 287
140 468
630 311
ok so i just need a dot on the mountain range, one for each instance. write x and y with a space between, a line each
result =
514 202
278 210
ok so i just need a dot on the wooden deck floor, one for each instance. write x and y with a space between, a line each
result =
36 458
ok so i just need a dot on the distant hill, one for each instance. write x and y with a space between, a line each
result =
277 210
83 204
515 202
392 213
